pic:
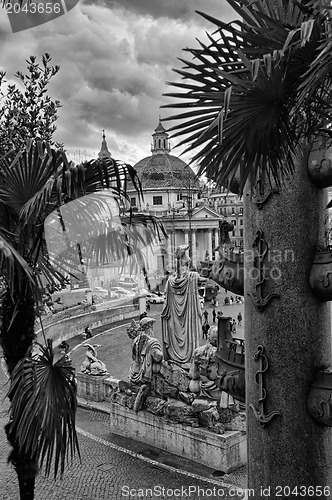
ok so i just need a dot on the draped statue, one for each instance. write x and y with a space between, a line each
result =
181 318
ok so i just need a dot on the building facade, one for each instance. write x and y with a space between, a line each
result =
173 193
189 209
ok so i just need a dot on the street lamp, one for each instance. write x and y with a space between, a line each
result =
188 197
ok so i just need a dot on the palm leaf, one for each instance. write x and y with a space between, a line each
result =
43 407
264 82
39 182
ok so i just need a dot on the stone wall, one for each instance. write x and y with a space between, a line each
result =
66 324
223 452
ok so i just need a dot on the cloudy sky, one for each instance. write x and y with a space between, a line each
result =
115 58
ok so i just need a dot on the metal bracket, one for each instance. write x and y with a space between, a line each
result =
260 196
262 417
262 250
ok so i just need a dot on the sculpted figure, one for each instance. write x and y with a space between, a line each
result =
92 365
181 318
203 369
146 353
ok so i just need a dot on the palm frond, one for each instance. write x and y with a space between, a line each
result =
255 90
43 407
50 205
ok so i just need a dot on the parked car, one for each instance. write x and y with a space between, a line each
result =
128 282
153 298
122 292
99 291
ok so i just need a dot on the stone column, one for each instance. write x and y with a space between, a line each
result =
168 245
193 243
216 243
209 248
287 337
186 236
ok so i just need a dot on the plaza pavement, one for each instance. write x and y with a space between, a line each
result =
111 465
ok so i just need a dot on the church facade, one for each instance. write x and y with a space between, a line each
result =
173 193
189 210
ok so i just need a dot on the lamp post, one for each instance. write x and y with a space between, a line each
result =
189 201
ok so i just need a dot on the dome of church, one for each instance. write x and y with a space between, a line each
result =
162 169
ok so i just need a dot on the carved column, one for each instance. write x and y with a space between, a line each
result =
287 337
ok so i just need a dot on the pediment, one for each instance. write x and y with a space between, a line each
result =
205 212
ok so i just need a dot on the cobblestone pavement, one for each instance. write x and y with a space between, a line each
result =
110 471
115 468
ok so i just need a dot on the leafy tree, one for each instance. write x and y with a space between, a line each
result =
27 111
258 89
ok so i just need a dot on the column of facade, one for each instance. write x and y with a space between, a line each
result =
168 245
209 248
174 245
194 250
186 236
216 243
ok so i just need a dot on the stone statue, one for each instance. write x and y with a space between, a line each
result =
181 318
203 369
146 353
91 364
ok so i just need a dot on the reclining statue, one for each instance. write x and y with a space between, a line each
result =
91 364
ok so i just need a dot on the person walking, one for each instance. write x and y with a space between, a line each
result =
206 316
205 329
239 319
214 314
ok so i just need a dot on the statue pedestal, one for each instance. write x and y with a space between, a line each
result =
91 387
223 452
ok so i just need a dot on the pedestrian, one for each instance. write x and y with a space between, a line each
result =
205 329
220 313
88 332
234 326
206 316
148 306
239 319
214 314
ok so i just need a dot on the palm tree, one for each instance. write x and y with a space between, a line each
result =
35 184
259 88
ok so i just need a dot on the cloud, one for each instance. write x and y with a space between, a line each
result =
115 59
182 10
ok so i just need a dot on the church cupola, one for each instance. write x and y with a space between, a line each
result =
160 140
104 153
